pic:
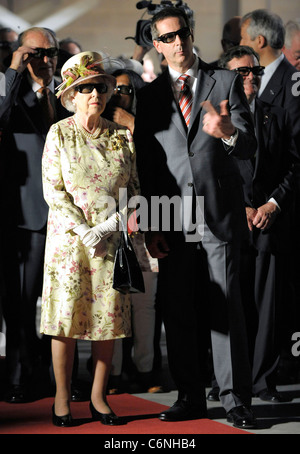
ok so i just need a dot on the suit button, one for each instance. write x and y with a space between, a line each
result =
191 154
190 185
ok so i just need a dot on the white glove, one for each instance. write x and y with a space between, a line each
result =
101 231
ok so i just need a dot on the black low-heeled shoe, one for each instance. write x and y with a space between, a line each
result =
61 421
109 419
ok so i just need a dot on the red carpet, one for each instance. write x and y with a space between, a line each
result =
139 417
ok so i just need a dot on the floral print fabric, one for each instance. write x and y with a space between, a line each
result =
79 174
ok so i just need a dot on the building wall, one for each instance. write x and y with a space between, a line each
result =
108 24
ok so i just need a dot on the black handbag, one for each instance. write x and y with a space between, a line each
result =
128 276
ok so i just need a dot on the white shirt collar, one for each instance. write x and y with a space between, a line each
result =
192 71
35 86
268 73
192 82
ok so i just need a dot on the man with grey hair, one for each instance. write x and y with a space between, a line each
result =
268 203
265 33
291 48
26 112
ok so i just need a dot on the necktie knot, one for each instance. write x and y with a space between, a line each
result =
183 79
44 91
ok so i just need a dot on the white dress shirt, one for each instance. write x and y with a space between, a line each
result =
268 73
192 82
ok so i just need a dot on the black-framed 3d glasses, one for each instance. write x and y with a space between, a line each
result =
123 90
168 38
40 52
245 70
88 88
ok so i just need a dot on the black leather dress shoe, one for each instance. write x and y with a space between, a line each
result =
183 411
76 394
270 395
16 395
61 421
109 419
213 395
241 417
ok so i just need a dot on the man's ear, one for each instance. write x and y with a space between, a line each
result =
157 46
261 41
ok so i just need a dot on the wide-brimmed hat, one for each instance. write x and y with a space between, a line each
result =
80 68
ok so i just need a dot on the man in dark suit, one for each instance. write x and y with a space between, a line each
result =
291 47
186 160
265 33
269 191
25 117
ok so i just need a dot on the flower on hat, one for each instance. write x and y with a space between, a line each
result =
83 69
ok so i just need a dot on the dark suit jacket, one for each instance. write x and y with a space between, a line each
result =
24 134
272 174
278 92
171 159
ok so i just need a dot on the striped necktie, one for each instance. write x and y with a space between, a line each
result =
48 110
185 98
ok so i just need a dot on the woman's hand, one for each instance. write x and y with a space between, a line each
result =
101 231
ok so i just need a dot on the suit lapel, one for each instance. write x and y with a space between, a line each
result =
274 86
259 135
263 123
167 95
32 109
205 84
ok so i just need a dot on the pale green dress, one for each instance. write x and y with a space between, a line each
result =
79 171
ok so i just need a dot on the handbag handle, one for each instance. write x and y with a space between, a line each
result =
125 236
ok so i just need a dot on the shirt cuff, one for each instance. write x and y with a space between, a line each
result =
274 201
232 141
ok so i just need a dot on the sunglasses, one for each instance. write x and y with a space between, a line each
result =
123 90
168 38
245 70
40 52
88 88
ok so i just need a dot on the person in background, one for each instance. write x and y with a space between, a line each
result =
139 367
70 46
291 48
122 105
265 33
186 147
67 48
269 191
87 160
27 110
8 43
231 35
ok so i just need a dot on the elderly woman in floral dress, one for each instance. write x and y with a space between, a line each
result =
87 163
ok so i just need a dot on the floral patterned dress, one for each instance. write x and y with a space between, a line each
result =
80 173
